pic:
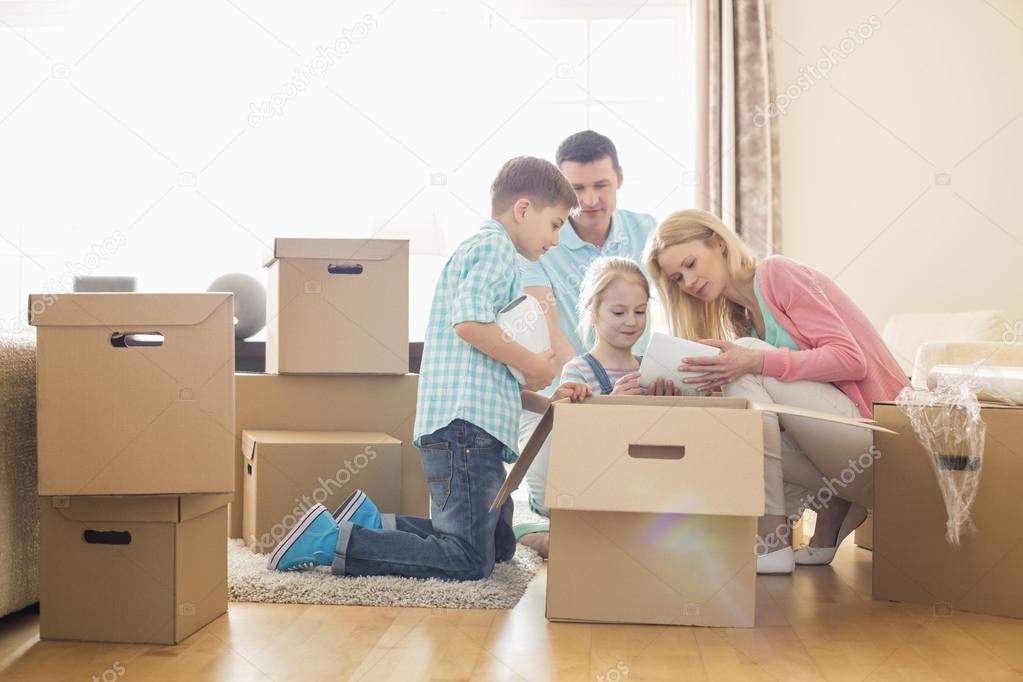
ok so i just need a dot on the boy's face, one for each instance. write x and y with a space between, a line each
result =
537 228
596 184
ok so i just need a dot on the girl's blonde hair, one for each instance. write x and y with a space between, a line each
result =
599 276
689 317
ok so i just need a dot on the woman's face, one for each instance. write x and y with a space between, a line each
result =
621 313
699 269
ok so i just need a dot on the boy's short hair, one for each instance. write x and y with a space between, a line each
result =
587 147
538 180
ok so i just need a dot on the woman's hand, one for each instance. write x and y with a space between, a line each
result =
628 385
724 368
573 390
663 386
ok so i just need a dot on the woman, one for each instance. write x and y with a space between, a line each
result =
798 340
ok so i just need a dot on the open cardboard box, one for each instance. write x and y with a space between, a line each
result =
136 568
912 561
654 502
135 393
338 306
286 472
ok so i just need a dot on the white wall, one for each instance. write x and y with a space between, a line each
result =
902 171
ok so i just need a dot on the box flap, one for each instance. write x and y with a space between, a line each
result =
518 472
337 249
128 312
814 414
136 508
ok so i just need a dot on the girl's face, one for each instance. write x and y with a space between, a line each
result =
699 269
621 313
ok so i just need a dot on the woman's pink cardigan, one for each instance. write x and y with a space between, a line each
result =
836 340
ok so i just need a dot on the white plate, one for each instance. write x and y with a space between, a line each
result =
664 355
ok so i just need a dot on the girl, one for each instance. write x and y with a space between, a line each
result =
613 316
799 340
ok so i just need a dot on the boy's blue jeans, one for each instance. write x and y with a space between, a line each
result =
462 540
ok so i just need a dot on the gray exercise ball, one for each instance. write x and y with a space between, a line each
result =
249 302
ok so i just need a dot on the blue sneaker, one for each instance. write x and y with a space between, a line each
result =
310 543
360 510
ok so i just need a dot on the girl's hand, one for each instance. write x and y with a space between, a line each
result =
663 386
628 385
572 390
733 362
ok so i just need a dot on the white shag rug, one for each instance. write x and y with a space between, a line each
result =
249 580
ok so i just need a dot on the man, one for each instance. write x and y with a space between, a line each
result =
590 162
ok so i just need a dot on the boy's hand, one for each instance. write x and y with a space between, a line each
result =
540 372
628 385
572 390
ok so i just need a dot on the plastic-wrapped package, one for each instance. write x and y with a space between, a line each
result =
997 384
947 421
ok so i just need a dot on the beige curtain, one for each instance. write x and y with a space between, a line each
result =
737 144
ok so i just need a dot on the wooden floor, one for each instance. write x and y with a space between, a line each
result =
818 624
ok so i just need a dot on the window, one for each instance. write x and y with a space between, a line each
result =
173 141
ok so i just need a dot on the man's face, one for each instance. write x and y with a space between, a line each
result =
596 184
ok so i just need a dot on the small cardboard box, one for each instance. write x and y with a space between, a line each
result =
912 560
386 404
135 393
286 472
654 502
338 306
145 569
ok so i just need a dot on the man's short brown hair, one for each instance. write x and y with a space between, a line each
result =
538 180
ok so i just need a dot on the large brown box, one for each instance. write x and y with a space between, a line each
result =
286 472
338 306
654 502
385 404
145 569
912 560
135 393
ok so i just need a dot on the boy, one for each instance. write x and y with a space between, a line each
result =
468 406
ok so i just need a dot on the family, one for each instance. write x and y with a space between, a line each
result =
787 334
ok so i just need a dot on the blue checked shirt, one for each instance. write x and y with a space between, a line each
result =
457 380
562 269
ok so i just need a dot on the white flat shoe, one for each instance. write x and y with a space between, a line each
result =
822 556
779 562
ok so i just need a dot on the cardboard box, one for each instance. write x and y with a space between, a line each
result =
864 535
912 560
386 404
135 393
145 569
286 472
654 507
338 306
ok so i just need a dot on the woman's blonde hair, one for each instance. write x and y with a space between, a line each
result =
599 276
689 317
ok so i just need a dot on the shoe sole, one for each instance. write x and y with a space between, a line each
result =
347 510
299 528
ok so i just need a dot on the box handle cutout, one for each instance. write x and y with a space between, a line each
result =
336 269
657 451
107 537
248 468
136 339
